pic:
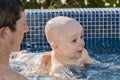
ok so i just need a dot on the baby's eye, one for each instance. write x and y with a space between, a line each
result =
74 40
82 37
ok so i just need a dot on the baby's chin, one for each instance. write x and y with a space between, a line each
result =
77 56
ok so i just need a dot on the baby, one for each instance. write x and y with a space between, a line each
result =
65 36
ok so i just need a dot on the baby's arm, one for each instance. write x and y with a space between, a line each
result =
89 59
55 70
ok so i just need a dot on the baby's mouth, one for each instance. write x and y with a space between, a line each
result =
79 51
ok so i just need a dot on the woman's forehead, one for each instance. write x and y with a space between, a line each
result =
22 18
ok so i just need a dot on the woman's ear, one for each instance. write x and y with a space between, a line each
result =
3 32
54 45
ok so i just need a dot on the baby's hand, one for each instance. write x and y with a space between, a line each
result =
82 63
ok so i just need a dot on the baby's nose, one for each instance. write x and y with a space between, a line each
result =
81 43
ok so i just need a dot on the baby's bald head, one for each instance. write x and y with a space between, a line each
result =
57 26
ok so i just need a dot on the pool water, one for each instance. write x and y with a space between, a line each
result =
104 50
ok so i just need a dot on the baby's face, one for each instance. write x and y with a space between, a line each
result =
70 41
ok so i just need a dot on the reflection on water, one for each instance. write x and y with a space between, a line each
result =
72 72
27 63
105 50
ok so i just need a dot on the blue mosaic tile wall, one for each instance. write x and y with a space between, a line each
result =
101 23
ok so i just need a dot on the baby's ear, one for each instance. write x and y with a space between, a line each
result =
54 45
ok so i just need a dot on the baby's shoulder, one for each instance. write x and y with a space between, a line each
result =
46 54
45 63
45 57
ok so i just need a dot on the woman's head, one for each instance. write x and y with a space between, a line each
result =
10 13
